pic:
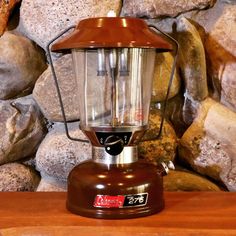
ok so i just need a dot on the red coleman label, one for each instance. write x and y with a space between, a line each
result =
121 201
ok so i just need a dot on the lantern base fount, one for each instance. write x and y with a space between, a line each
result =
115 191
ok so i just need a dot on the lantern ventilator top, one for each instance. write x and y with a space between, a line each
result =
112 32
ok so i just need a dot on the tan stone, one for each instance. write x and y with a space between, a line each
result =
221 49
187 181
162 76
42 20
17 177
228 1
208 145
22 129
207 18
49 184
21 63
154 149
174 113
157 8
57 155
192 61
46 95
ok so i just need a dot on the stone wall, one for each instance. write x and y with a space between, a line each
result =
199 133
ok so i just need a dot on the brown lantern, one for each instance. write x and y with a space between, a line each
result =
114 60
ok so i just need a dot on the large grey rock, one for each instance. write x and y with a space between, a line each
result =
21 63
28 161
22 129
42 20
221 50
166 24
207 18
218 23
157 8
49 184
208 145
161 79
229 1
18 177
46 96
57 154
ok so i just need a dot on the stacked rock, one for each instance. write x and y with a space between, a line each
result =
199 130
22 123
57 155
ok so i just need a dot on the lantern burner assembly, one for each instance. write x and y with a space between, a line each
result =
114 59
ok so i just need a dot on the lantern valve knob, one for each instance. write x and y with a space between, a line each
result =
114 145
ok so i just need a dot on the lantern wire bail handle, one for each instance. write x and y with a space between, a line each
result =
57 85
176 49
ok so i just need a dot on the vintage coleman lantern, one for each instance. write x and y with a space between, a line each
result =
113 59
